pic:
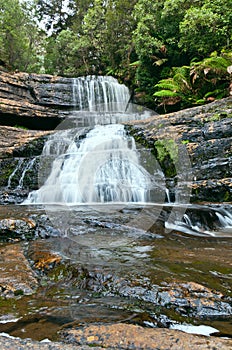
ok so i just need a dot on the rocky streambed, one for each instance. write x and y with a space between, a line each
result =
104 277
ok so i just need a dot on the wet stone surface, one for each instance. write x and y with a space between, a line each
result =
119 336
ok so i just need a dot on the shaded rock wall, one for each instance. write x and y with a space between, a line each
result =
19 162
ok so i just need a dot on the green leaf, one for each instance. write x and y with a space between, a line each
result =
165 93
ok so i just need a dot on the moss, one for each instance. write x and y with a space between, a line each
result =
167 155
227 196
18 292
20 127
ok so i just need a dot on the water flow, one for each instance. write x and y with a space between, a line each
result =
28 167
99 92
22 168
16 169
103 168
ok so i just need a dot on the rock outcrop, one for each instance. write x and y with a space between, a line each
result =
121 336
198 140
34 101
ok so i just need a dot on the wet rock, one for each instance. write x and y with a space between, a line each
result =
18 142
11 343
16 229
215 190
21 96
16 277
15 196
124 336
195 300
45 260
205 133
29 227
31 100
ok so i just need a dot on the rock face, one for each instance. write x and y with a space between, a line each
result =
205 135
34 101
17 277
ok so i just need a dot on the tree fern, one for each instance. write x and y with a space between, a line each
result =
217 65
196 84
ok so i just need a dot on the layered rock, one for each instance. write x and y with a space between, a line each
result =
121 336
205 134
34 101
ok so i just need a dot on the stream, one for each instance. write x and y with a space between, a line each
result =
111 246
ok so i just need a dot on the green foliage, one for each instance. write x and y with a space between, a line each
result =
160 49
56 14
20 37
197 83
206 27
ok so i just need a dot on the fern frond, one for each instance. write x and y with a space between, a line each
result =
165 93
167 85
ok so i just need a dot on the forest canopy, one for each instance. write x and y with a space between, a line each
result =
171 53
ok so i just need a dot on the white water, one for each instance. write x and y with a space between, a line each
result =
23 166
27 168
104 168
17 168
99 92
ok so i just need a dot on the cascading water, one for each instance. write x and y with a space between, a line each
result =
93 93
104 168
23 167
94 161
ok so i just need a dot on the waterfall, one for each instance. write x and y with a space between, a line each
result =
19 173
202 220
27 168
16 169
103 168
99 93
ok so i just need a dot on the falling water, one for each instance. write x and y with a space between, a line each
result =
92 93
102 165
103 168
19 173
16 169
28 167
